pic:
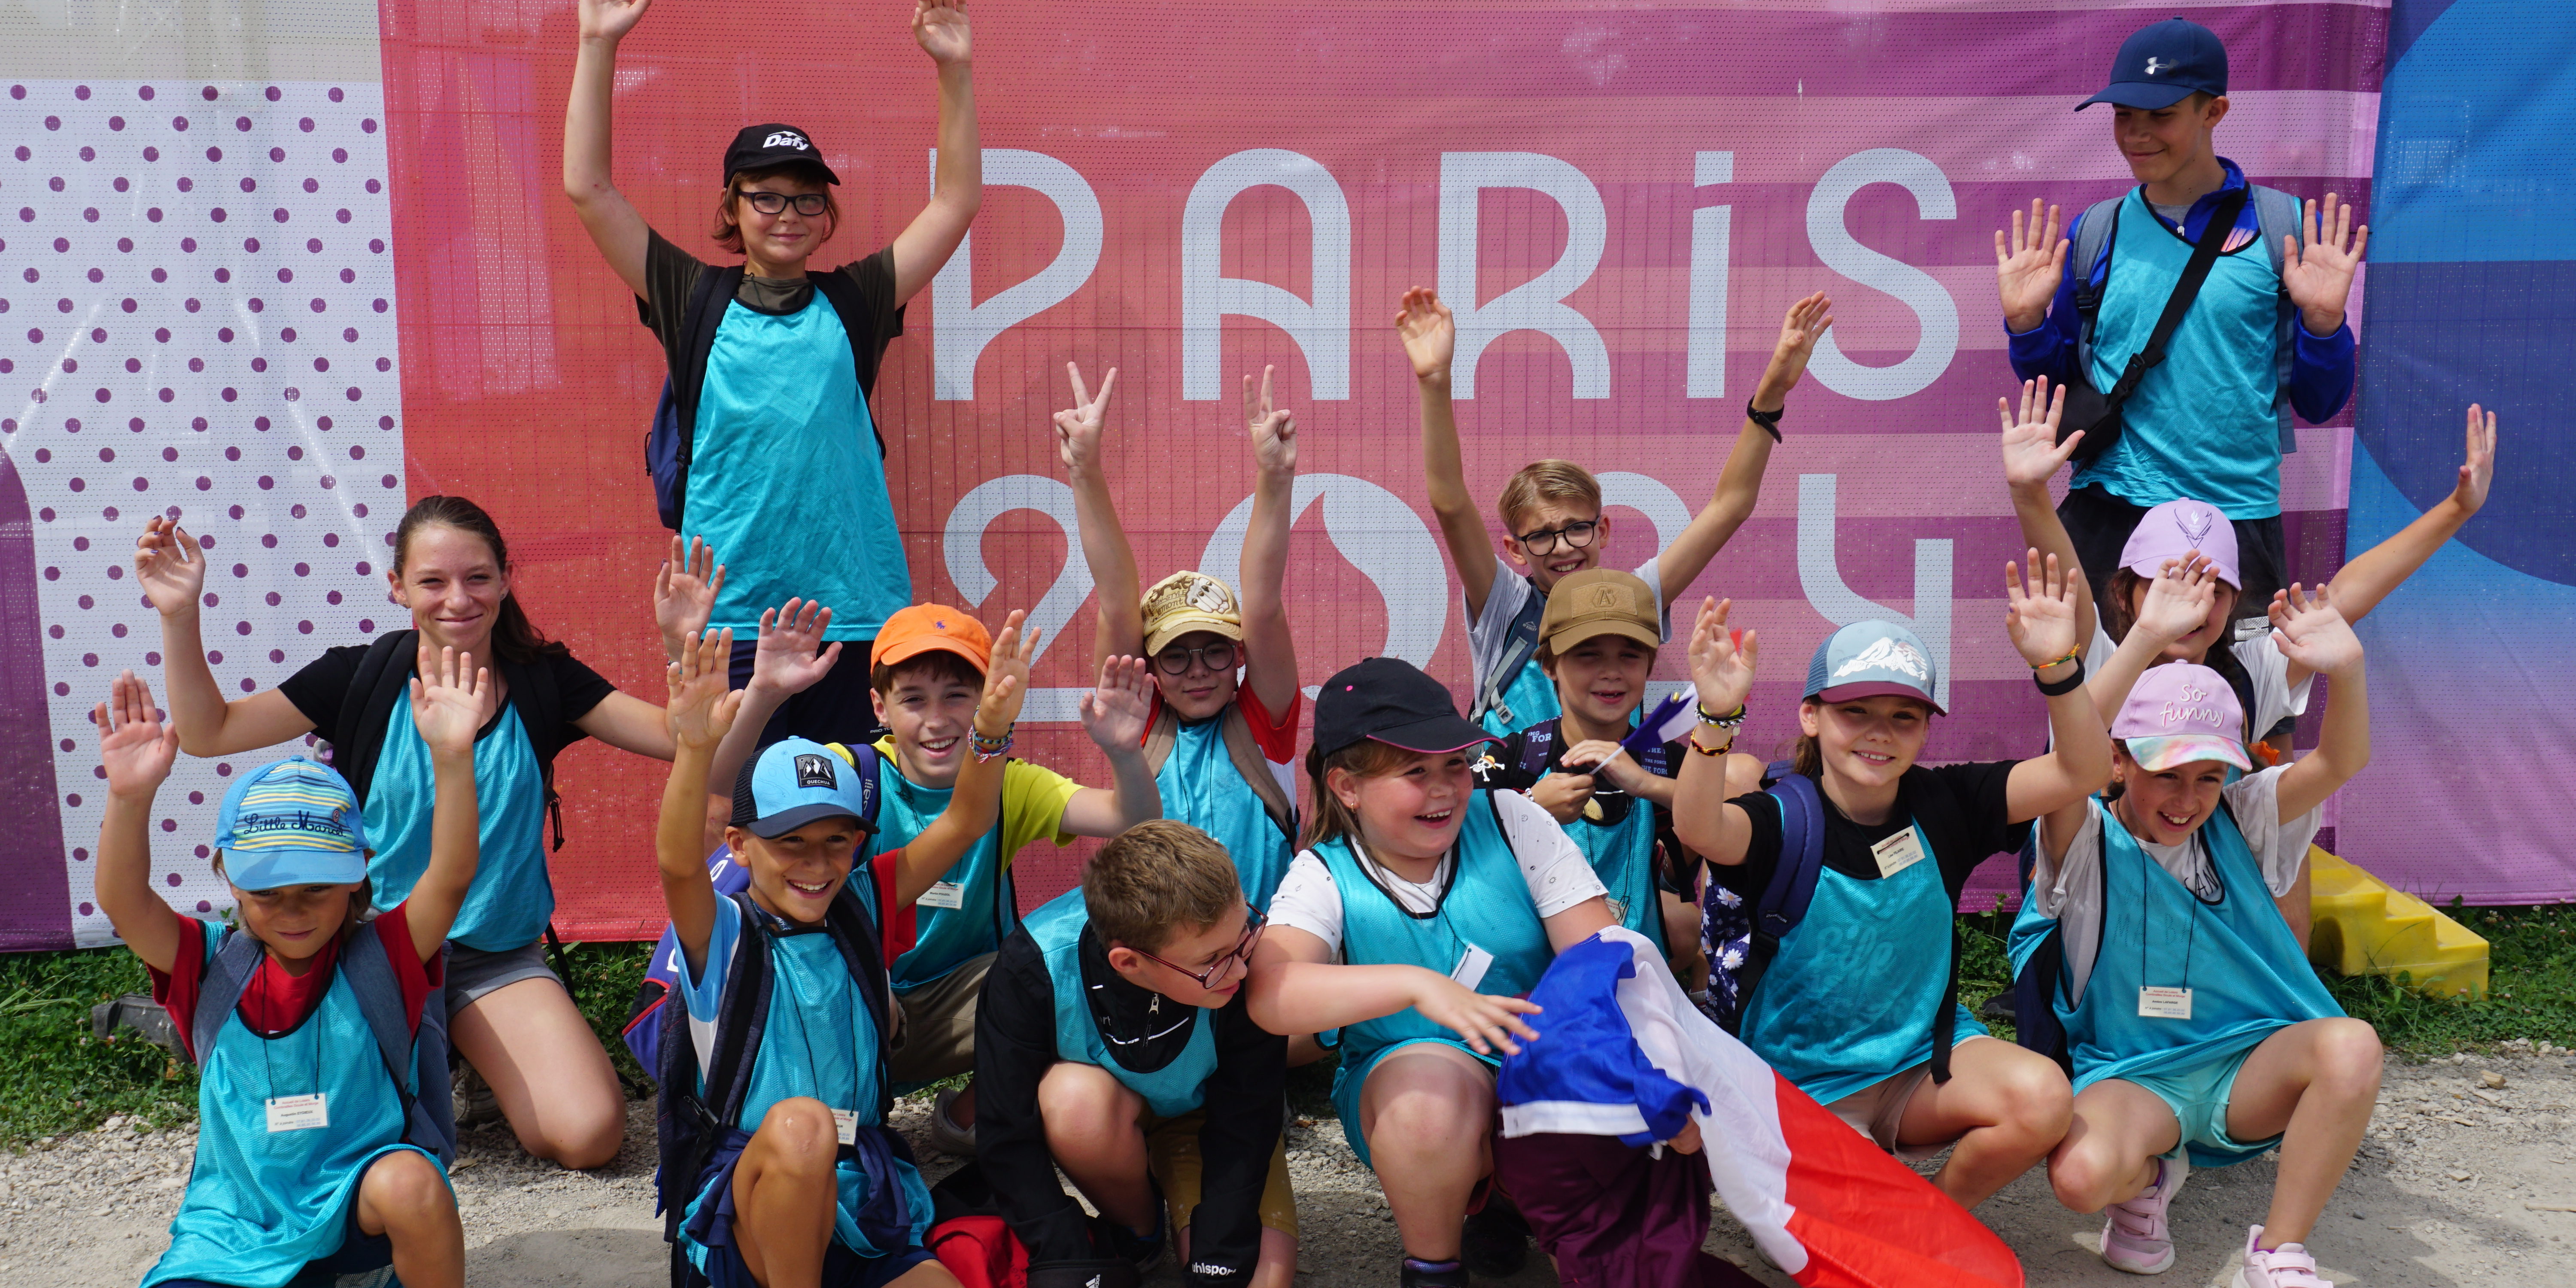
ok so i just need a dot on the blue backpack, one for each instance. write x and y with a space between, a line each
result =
1740 941
643 1030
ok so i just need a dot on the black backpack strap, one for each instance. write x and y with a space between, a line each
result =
219 990
2204 255
1538 749
540 705
836 287
708 299
383 679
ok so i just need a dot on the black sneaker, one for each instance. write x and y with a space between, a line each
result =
1413 1277
1497 1240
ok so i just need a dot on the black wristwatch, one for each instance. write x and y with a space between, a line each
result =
1768 420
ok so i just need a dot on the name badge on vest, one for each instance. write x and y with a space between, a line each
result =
297 1113
1472 965
845 1122
943 894
2158 1003
1898 852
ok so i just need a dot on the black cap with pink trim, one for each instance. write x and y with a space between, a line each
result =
1393 702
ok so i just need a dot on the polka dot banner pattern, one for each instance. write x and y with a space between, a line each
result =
196 319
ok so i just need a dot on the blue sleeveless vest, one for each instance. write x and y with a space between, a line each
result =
1173 1090
511 898
1623 856
1202 786
948 937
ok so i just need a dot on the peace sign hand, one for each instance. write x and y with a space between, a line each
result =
2318 274
2029 265
1273 430
2032 454
1078 429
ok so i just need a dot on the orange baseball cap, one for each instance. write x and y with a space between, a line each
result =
927 628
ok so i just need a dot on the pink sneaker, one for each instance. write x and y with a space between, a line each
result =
2134 1237
2287 1266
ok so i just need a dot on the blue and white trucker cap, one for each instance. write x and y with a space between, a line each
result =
793 782
1866 659
292 822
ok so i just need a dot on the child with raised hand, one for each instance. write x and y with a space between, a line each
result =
2197 1032
1859 1005
314 1156
791 1184
1223 745
781 462
1551 510
1419 910
1114 1041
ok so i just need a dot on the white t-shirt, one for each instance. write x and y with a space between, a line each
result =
1559 876
2071 891
1488 631
2274 699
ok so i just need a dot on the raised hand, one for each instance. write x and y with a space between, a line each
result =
1721 665
2041 616
939 27
609 19
169 566
684 591
790 655
135 745
2312 633
2032 454
701 706
2318 275
2477 471
1485 1021
2029 264
1115 713
2178 600
1429 332
451 699
1800 329
1273 430
1006 680
1079 427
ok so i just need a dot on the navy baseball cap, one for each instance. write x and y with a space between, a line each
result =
793 782
1393 702
2163 64
758 147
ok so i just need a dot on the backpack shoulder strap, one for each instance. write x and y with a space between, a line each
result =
1245 751
1160 737
1802 857
383 678
228 972
2278 215
843 294
855 933
708 300
368 966
1520 643
742 1013
1537 748
2094 234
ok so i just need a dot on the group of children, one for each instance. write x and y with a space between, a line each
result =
1388 897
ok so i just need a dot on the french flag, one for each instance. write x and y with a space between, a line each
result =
1625 1054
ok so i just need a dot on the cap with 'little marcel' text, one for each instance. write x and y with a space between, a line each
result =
2164 63
759 147
289 823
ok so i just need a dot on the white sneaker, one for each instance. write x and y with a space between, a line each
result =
945 1135
2287 1266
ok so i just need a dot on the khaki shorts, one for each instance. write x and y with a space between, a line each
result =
1172 1154
1877 1111
934 1032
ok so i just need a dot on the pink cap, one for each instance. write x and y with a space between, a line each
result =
2181 712
2175 529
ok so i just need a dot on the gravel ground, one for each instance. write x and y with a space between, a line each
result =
2461 1182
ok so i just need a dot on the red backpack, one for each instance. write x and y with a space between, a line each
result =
981 1251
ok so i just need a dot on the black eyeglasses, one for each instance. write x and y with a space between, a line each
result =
1253 923
1575 536
808 204
1176 660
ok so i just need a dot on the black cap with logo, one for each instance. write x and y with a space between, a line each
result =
1393 702
759 147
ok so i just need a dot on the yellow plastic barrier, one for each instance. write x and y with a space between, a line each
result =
2362 925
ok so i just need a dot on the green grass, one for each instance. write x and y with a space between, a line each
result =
54 1078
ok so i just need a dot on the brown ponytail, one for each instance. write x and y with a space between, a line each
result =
514 637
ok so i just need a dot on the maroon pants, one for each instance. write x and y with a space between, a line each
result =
1612 1216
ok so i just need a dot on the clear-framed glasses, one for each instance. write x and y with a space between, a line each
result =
1253 924
1575 536
1219 656
808 204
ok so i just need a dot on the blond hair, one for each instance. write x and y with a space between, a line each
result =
1327 818
1157 880
1563 482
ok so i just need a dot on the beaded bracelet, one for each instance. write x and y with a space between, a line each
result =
987 748
1718 750
1731 720
2070 656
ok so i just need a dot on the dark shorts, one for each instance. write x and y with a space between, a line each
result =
2100 524
837 709
359 1253
842 1268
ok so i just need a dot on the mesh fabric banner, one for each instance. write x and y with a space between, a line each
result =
286 266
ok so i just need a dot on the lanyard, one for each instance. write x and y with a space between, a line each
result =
2147 911
259 983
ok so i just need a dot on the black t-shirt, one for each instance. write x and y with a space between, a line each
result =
323 684
1015 1045
670 273
1963 810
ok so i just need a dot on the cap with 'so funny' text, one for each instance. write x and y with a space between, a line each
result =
2180 712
